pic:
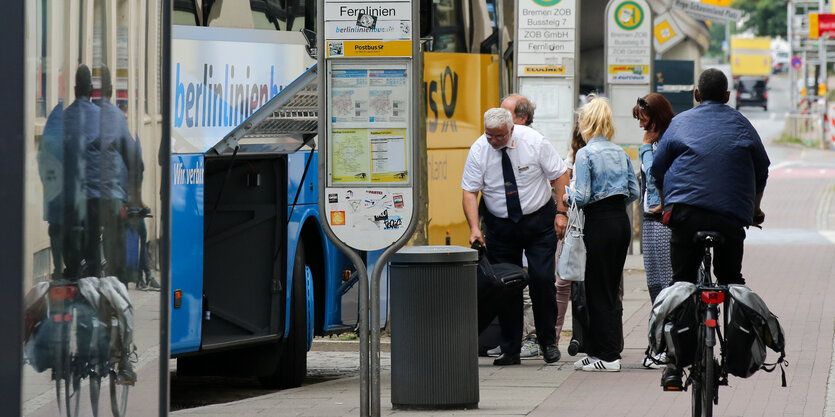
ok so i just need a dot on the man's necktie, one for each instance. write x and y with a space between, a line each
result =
514 207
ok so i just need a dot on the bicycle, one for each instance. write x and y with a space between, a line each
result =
79 345
707 372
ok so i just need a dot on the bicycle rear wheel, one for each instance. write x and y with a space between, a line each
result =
708 382
118 396
703 375
67 377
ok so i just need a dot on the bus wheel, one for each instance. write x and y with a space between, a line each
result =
292 365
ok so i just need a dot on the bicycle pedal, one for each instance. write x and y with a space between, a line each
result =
673 388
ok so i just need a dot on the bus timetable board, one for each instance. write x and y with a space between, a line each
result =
546 64
369 127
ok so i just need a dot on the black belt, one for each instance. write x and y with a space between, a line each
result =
549 203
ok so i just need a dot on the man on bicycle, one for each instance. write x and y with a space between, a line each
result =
712 168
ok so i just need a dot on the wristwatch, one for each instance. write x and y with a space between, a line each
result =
564 213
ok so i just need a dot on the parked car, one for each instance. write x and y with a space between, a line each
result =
751 91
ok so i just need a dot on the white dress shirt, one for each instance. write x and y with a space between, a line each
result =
535 164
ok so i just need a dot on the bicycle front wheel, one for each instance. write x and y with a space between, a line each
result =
118 396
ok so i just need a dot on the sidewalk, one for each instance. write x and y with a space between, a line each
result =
509 391
794 280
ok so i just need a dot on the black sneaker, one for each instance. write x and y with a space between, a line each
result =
153 285
126 374
574 347
671 379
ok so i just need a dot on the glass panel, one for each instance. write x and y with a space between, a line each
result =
92 301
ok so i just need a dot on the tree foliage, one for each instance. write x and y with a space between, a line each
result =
717 36
765 17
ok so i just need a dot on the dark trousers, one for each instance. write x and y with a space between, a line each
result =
138 224
607 236
104 229
505 242
686 255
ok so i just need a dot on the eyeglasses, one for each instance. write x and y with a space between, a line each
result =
494 137
642 103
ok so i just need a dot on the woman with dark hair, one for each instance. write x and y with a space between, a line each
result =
654 114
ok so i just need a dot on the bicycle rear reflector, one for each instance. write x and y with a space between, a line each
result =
713 297
61 293
710 322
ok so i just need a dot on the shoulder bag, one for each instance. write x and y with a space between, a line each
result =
572 254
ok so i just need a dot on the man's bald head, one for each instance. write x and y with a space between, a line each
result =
521 108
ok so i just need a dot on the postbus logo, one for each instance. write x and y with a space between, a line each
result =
547 3
629 15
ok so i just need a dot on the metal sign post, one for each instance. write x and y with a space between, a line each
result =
369 80
546 64
628 64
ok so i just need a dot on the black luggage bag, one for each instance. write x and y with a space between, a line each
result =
579 318
496 283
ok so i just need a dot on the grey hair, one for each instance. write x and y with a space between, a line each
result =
496 117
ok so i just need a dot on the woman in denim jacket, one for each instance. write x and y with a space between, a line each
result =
654 114
605 185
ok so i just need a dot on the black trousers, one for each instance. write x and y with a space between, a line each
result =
607 236
686 255
505 242
104 231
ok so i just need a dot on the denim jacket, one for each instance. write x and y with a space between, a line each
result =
653 197
603 169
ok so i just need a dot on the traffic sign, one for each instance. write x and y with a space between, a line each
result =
796 62
666 33
703 11
821 24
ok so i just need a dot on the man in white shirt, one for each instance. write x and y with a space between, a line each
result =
515 168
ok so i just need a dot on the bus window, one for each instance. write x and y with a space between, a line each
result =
262 18
447 13
185 13
444 24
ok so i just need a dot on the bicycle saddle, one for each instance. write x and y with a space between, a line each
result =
708 238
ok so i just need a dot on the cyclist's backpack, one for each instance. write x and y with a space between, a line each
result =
674 324
749 328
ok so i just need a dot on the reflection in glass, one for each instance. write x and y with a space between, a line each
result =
92 305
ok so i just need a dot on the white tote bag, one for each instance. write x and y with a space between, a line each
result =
572 253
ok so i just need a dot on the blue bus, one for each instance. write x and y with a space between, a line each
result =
253 275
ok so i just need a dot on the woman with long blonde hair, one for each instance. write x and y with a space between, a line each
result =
605 185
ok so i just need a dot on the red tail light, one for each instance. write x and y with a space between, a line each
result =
765 94
710 323
713 297
61 293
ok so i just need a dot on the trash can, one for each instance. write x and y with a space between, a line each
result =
434 335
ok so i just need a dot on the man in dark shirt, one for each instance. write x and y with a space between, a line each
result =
712 168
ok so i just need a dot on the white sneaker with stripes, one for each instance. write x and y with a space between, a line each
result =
585 361
603 366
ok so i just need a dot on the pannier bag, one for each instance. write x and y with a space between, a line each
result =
104 305
674 324
749 328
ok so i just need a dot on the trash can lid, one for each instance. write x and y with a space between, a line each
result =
435 254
